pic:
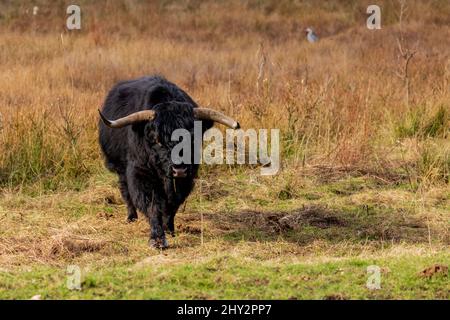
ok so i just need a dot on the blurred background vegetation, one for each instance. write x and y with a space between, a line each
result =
344 102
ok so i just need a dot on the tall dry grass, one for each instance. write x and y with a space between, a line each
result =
339 102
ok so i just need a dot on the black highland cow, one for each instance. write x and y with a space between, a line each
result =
137 146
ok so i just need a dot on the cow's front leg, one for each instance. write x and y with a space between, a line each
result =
169 218
157 236
144 193
169 222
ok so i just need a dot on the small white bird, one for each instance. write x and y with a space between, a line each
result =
311 36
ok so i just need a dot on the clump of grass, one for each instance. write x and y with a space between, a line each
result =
434 164
439 123
37 150
417 124
410 125
287 192
429 166
27 154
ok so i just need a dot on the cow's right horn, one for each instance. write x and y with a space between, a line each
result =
140 116
219 117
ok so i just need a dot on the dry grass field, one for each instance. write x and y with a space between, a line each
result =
364 117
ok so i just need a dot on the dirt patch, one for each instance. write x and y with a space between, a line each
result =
50 249
113 199
189 229
102 195
211 191
313 216
266 222
329 174
437 269
329 224
275 222
74 246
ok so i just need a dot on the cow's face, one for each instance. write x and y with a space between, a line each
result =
170 117
152 143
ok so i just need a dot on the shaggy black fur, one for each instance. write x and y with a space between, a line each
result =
141 153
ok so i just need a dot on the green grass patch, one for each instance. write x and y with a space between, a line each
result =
226 277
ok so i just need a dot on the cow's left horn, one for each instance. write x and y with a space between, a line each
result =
210 114
145 115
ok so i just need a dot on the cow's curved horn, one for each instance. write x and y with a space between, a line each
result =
210 114
145 115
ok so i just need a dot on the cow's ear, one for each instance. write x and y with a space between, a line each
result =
158 94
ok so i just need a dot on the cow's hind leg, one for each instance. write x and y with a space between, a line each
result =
132 214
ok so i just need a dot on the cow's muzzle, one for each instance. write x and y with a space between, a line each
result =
179 172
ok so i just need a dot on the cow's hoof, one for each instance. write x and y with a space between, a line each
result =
132 217
171 232
160 243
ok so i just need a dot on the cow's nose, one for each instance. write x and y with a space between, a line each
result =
179 172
